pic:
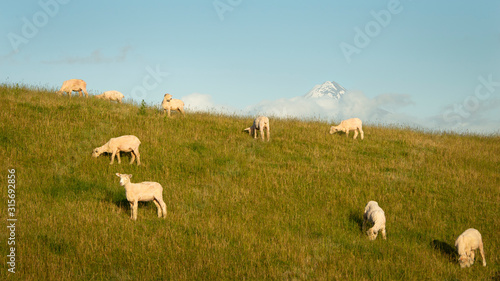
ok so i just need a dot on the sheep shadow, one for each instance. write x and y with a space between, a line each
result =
357 219
445 249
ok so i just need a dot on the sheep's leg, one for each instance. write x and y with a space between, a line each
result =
362 133
262 133
136 152
160 211
347 133
118 156
384 234
168 112
133 157
355 134
131 210
268 135
163 207
134 210
113 157
482 253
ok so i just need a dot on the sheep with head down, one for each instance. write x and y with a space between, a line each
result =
111 96
469 241
128 143
260 123
345 126
374 215
73 85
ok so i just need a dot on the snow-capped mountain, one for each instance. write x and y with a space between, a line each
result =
329 89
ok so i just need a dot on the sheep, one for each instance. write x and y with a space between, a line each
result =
169 104
111 96
347 125
466 244
71 85
374 215
144 191
260 123
127 143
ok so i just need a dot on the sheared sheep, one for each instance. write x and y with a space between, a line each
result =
347 125
374 215
144 191
128 143
71 85
111 96
466 244
169 104
260 123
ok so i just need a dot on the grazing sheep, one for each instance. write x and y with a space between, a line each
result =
144 191
71 85
127 143
260 123
466 244
169 104
347 125
111 96
376 216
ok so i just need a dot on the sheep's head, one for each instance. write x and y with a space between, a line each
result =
167 97
372 235
333 130
124 178
464 261
96 152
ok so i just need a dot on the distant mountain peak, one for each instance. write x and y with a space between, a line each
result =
329 89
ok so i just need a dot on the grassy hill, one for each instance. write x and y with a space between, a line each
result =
238 208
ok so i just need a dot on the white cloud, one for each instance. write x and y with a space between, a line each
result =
205 103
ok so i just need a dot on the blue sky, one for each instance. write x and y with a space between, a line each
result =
429 64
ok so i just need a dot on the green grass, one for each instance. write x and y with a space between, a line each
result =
238 208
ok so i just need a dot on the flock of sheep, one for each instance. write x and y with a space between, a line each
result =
466 244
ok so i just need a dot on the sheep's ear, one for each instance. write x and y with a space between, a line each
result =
130 176
118 174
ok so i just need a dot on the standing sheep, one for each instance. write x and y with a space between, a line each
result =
469 241
127 143
144 191
111 96
71 85
347 125
260 123
169 104
374 215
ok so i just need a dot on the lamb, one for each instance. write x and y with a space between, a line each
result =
128 143
260 123
71 85
169 104
376 216
111 96
347 125
466 244
144 191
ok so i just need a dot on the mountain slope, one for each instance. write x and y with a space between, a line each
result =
327 89
238 208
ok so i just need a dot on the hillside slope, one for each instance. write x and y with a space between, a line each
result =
238 208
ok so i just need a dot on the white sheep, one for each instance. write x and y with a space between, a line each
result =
374 215
111 96
260 123
169 104
71 85
144 191
466 244
347 125
128 143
